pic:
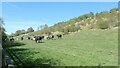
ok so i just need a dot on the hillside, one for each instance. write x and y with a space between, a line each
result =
102 20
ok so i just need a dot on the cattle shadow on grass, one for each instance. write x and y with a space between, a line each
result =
25 59
41 42
40 62
8 44
14 44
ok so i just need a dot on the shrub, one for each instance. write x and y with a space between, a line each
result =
102 25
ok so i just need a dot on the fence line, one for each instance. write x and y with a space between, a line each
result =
6 62
15 58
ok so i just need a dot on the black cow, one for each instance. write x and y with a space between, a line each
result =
29 38
22 38
59 36
12 39
38 38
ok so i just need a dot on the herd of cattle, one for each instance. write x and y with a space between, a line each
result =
38 39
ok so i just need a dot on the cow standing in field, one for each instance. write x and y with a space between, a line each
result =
59 36
32 38
22 38
29 38
38 38
50 37
11 39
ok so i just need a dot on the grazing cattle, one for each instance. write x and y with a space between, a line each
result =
59 36
22 38
12 39
38 38
50 37
29 38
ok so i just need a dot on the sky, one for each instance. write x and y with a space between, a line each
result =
22 15
60 0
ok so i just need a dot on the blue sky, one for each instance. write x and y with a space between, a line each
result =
22 15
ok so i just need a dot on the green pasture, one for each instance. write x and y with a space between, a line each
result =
84 48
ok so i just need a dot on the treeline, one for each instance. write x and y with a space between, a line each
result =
29 30
19 32
3 35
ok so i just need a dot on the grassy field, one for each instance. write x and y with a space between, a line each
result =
84 48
